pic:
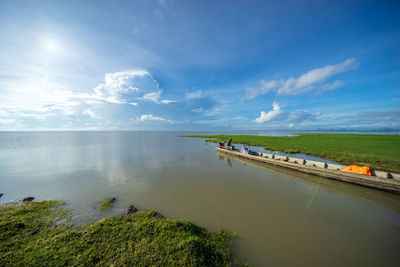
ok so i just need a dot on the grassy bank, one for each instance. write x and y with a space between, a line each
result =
40 233
382 152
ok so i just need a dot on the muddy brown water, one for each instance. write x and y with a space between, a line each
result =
282 218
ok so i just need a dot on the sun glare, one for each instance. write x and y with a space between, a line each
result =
50 45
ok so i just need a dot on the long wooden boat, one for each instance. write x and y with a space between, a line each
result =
389 182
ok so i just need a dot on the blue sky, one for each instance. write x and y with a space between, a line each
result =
199 65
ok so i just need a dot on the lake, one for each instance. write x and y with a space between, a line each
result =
282 218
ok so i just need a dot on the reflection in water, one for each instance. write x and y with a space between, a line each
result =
274 211
307 208
388 200
228 161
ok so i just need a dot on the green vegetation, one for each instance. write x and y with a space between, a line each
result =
40 233
106 203
381 152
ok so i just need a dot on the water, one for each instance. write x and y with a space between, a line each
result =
282 218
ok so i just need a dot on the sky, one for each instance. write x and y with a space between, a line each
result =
199 65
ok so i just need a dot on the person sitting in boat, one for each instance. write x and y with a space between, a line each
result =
244 150
229 144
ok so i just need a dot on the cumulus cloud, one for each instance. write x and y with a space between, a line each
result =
118 84
275 113
281 116
123 87
313 80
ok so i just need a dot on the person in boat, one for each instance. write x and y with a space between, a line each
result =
229 144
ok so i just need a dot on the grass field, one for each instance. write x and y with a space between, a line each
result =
40 234
381 152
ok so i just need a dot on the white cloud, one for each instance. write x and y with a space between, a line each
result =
123 87
321 74
195 94
118 88
280 116
332 86
46 100
273 114
265 87
309 81
119 84
167 101
153 96
91 114
150 117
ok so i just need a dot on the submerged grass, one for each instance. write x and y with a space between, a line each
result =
106 203
382 152
39 233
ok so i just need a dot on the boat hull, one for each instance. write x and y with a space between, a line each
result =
385 184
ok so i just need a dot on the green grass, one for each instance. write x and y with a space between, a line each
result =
106 204
40 233
381 152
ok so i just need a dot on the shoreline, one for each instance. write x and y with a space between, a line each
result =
37 232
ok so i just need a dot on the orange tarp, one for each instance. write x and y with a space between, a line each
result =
357 169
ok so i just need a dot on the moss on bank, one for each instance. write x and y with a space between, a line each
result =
40 233
382 152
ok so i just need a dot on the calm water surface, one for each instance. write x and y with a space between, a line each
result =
282 218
